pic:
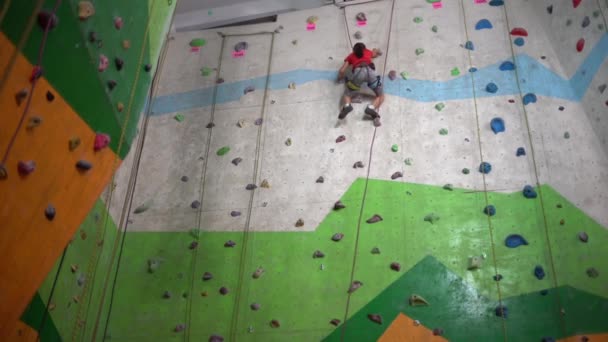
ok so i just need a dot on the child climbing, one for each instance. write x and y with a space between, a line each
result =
363 72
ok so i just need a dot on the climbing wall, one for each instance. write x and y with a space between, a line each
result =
69 121
475 211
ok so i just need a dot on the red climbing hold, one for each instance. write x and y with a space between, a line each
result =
36 73
518 31
575 3
580 45
102 140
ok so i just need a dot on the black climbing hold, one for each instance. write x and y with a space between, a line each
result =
375 250
184 179
501 311
193 245
237 161
485 167
583 236
355 286
543 57
180 328
395 266
50 212
224 290
111 84
210 125
339 205
251 187
195 204
216 338
147 67
337 237
318 254
47 20
255 306
544 292
548 339
185 295
358 164
396 175
49 96
529 192
241 46
119 63
335 322
320 179
167 295
340 139
520 152
539 272
592 272
20 96
83 165
489 210
550 9
497 277
374 219
229 243
561 108
207 276
235 213
375 318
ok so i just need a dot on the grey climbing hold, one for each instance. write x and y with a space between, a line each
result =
586 22
142 208
320 179
50 212
84 165
153 265
375 250
248 89
375 318
255 306
358 35
224 290
431 218
602 88
396 175
240 46
434 28
237 161
417 300
583 236
592 272
337 237
195 204
339 205
229 243
566 135
374 219
235 213
258 273
377 122
358 165
354 286
392 75
318 254
184 179
448 187
475 262
251 187
395 266
207 276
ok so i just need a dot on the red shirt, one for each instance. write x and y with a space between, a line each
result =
353 60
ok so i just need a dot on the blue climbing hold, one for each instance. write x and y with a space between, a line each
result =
515 240
485 167
520 152
497 125
491 88
497 3
489 210
529 192
519 41
469 45
473 69
539 273
502 311
529 98
483 24
506 66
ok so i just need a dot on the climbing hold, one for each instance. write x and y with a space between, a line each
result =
235 213
434 28
50 212
485 167
395 266
358 35
3 172
111 84
539 272
147 67
375 250
529 98
119 63
497 277
506 66
455 72
26 167
224 290
473 69
153 265
575 3
211 125
207 276
474 263
529 192
448 187
580 45
237 161
180 328
120 106
419 51
240 46
339 205
583 236
197 42
544 292
592 272
179 117
49 96
431 218
602 88
275 324
258 121
103 63
395 148
489 210
496 2
299 223
501 311
216 338
404 75
248 89
288 142
312 19
566 135
519 31
340 139
335 322
417 20
193 245
550 9
439 331
520 152
374 219
358 164
568 22
375 318
519 41
195 204
469 45
416 300
497 125
320 179
222 151
255 306
229 243
47 20
33 122
515 240
392 75
355 286
118 23
85 10
318 254
265 184
73 143
491 88
291 85
396 175
408 161
102 140
167 294
483 24
258 273
251 187
547 339
465 171
361 17
439 107
142 208
337 237
586 22
443 131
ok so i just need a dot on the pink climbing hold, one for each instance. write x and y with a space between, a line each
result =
118 23
580 45
102 140
519 31
575 3
26 167
103 63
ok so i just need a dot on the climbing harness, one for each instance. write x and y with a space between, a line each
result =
372 85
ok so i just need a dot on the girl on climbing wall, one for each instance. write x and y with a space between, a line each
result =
363 72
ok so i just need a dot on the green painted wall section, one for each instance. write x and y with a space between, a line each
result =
34 316
305 298
70 61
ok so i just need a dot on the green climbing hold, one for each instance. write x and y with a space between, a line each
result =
439 106
434 28
206 71
448 187
395 148
455 72
417 20
596 13
419 51
179 117
566 135
288 142
465 171
443 131
198 42
223 150
408 161
404 75
431 218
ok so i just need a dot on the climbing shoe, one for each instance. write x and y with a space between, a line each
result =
345 110
371 112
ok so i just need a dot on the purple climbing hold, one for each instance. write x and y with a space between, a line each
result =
539 272
180 328
216 338
47 20
237 161
229 243
583 236
374 219
26 167
395 266
375 318
318 254
50 212
396 175
258 121
235 213
195 204
224 290
207 276
340 139
193 245
255 306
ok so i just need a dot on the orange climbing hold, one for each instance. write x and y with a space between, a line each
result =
580 45
519 31
575 3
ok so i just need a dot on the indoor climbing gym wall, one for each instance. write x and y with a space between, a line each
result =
75 76
221 198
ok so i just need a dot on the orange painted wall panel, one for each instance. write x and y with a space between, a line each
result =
29 243
403 329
